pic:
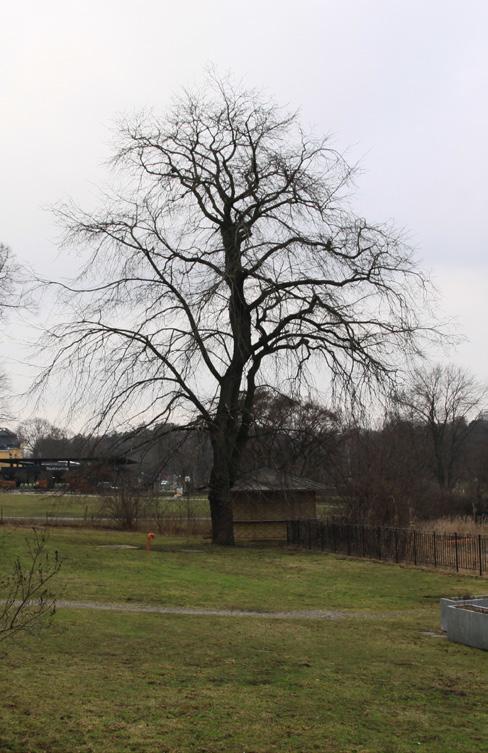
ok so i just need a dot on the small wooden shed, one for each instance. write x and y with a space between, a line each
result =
266 499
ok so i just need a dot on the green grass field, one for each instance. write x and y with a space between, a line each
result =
374 682
38 504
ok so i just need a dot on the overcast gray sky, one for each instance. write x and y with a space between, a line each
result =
400 85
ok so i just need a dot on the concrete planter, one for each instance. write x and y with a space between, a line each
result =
481 601
466 621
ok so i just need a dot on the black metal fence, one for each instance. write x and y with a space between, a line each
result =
453 551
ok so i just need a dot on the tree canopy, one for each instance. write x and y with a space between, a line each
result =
228 258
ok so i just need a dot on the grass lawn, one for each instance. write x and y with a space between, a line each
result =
193 573
38 504
100 682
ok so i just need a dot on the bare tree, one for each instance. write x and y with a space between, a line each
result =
8 271
381 471
3 392
39 436
8 300
301 437
443 399
476 463
228 259
27 600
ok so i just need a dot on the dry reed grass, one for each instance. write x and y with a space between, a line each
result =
455 524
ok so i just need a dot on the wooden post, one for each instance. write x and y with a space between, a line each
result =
479 554
435 549
396 545
456 550
379 542
414 546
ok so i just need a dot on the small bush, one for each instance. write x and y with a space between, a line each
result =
125 506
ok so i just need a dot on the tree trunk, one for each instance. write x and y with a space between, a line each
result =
220 500
222 518
230 426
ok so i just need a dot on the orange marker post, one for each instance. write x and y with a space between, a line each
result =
149 540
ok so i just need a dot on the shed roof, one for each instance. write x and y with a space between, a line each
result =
269 479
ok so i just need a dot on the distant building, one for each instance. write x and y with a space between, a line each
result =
265 500
10 447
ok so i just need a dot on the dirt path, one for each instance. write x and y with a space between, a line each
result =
309 614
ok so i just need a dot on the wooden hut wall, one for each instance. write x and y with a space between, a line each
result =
273 505
255 531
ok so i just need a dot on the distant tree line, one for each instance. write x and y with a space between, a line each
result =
427 456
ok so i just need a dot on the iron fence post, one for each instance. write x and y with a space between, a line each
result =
359 539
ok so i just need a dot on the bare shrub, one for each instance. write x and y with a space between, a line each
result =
28 600
158 510
125 506
183 520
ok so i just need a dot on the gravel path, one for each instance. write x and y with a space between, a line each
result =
312 614
308 614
